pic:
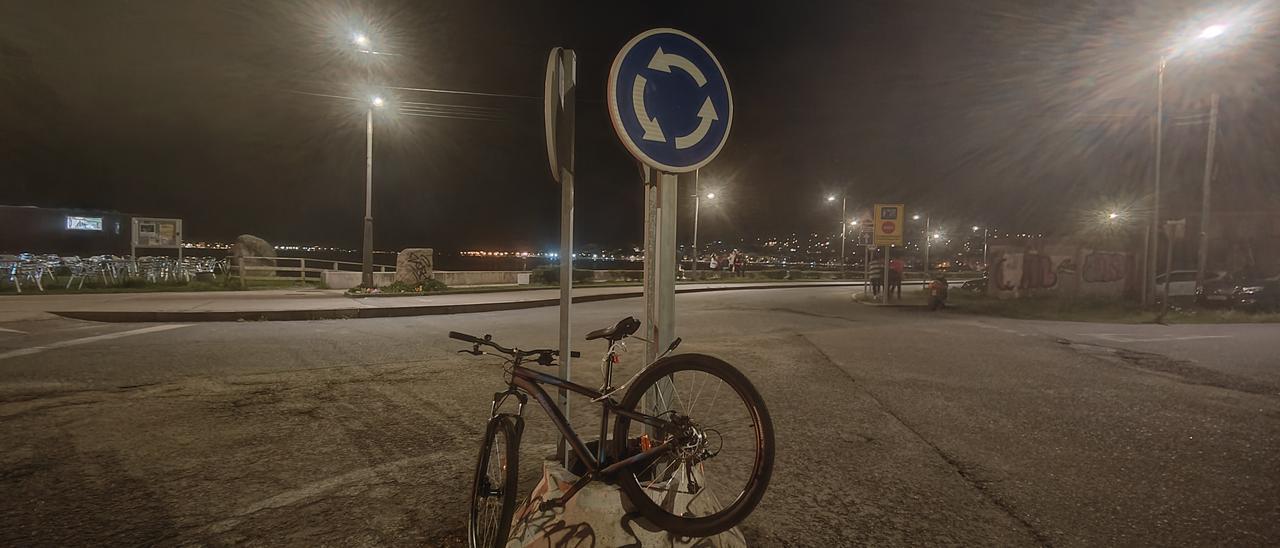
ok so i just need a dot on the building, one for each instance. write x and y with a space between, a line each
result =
85 232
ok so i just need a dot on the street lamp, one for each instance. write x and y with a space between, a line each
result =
1153 236
844 202
360 39
927 218
697 201
985 231
366 264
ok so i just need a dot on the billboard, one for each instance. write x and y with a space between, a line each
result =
157 233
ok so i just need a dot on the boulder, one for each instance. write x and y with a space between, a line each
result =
263 263
415 265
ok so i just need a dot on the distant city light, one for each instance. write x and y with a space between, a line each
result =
915 217
975 228
831 198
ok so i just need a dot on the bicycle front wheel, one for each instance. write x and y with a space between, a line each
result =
721 445
493 492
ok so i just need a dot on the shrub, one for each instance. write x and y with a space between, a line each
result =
550 275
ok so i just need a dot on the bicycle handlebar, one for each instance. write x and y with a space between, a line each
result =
514 352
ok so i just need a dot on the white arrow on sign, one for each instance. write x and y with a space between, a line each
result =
707 114
664 61
652 132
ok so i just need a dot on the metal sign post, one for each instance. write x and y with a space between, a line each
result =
559 96
670 104
886 226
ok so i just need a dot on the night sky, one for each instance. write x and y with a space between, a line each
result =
1027 115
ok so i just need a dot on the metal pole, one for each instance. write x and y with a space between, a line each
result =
696 201
884 277
866 268
660 270
1149 281
566 135
1168 268
843 230
985 232
366 268
1202 254
926 246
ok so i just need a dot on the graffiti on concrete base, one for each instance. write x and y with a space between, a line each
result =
1103 267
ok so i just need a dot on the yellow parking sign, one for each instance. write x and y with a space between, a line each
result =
886 224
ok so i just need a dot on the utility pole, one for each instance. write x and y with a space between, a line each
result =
366 266
1202 254
1153 235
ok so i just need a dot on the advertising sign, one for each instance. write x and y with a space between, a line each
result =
157 233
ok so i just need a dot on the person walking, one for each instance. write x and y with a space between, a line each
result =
714 264
896 268
876 272
739 260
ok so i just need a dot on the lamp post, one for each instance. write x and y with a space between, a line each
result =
1153 235
366 266
927 218
985 233
697 200
844 202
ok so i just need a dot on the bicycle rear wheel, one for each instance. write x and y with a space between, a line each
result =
722 446
493 492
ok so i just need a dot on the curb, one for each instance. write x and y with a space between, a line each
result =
384 312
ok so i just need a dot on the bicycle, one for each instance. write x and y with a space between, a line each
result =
678 472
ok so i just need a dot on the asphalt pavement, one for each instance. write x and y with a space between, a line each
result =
895 426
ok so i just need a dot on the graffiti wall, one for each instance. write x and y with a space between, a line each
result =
1039 267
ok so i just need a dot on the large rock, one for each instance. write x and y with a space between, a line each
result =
263 261
595 516
415 265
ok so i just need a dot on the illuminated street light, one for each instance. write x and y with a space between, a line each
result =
976 227
853 223
377 101
697 205
360 39
1113 215
1153 238
1213 31
844 203
915 217
831 198
711 195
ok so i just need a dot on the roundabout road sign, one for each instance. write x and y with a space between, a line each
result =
669 100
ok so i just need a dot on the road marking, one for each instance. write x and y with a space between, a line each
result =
1115 337
86 340
12 331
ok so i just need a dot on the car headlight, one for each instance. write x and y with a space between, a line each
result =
1251 289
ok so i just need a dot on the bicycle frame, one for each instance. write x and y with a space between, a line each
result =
530 382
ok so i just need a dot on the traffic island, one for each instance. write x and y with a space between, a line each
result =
598 515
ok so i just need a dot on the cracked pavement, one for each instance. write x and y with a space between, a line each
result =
894 427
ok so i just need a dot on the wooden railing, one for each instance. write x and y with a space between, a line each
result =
300 268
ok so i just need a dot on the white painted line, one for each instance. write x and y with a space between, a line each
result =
1113 337
12 331
86 340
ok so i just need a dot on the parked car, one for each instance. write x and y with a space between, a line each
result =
1182 284
1217 292
1257 294
978 285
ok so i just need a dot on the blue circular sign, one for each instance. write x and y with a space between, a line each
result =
670 100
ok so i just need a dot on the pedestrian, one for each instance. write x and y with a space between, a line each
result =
730 261
876 272
714 264
739 260
896 268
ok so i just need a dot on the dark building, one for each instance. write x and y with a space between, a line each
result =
63 231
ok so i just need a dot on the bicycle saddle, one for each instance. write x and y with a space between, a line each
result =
625 328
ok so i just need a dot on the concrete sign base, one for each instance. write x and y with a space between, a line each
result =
596 516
